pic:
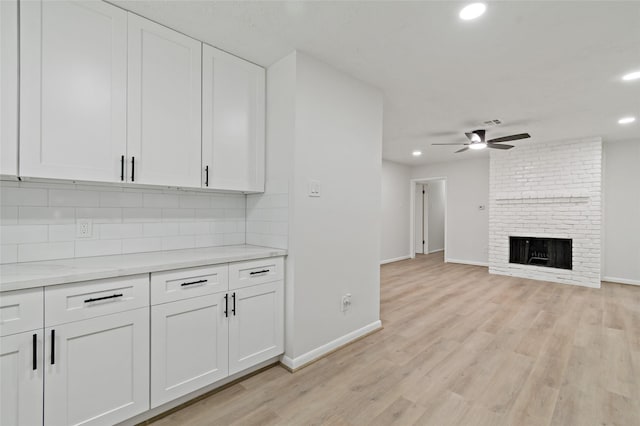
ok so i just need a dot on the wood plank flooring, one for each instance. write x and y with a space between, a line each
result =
459 347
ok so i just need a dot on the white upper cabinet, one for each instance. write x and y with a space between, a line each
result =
9 87
233 117
73 82
164 105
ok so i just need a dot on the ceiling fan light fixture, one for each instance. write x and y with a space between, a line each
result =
631 76
472 11
480 145
626 120
416 153
475 138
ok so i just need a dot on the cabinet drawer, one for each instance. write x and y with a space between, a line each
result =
182 284
244 274
21 310
83 300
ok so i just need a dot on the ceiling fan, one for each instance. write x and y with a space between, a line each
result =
477 141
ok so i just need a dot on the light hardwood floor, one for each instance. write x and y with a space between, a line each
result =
460 347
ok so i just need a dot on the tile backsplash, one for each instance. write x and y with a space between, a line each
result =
38 220
268 216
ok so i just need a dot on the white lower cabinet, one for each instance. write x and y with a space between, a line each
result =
21 384
97 370
256 326
188 346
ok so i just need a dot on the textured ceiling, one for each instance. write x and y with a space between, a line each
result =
549 68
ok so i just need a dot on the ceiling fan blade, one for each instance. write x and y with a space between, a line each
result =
453 143
499 146
510 138
462 150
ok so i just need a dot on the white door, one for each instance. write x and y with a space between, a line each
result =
21 379
73 71
233 116
97 370
164 99
420 219
256 325
9 87
189 346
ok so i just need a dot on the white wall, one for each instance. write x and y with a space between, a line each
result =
334 239
435 214
621 234
395 211
467 187
39 220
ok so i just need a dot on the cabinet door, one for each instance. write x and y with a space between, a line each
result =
97 370
164 98
189 346
256 325
21 379
233 115
73 76
9 87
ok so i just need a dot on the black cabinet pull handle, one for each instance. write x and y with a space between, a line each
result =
53 347
95 299
35 351
193 282
233 310
264 271
226 306
133 169
206 176
122 168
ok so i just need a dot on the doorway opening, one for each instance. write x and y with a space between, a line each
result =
428 216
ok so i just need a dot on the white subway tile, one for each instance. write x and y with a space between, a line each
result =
86 248
62 233
100 214
23 197
160 201
178 215
141 245
8 253
20 234
194 228
119 230
8 215
209 240
45 251
46 215
195 201
75 198
120 199
178 242
161 229
141 215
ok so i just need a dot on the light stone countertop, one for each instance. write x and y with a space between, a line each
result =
18 276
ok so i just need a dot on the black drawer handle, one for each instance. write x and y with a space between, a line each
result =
53 347
95 299
264 271
226 306
193 282
122 168
133 169
206 176
233 310
35 351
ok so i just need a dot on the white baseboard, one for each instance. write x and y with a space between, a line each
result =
294 363
395 259
467 262
621 280
436 250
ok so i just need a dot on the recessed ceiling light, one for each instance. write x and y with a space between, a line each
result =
480 145
631 76
626 120
416 153
472 11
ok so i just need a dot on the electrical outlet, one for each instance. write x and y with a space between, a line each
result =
314 188
346 302
84 228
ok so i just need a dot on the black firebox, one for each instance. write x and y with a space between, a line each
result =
548 252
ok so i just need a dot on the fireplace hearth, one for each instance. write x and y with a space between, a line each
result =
545 252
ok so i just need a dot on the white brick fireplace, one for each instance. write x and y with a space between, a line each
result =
548 191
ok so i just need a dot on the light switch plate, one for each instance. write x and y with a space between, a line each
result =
314 188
